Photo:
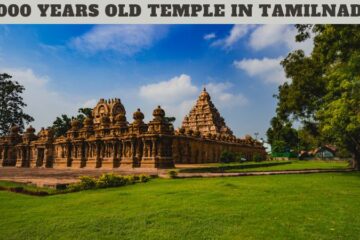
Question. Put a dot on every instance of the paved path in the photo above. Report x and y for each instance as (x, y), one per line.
(239, 174)
(51, 177)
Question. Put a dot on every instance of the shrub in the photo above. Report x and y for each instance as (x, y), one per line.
(257, 158)
(144, 178)
(227, 157)
(87, 182)
(74, 187)
(131, 179)
(136, 178)
(111, 180)
(172, 174)
(104, 181)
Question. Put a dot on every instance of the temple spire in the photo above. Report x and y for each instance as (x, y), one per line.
(204, 117)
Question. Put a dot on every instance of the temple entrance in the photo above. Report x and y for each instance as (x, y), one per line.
(40, 157)
(24, 157)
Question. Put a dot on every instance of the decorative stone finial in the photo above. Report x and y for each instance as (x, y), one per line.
(159, 113)
(30, 130)
(75, 124)
(138, 115)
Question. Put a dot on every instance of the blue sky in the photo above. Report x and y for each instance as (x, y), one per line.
(64, 67)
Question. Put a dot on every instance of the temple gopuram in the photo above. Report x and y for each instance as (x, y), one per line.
(108, 140)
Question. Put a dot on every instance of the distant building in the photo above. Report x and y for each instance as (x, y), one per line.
(107, 140)
(324, 152)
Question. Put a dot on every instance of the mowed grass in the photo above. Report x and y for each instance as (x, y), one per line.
(311, 206)
(270, 166)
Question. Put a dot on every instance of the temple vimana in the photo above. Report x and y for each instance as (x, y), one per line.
(107, 140)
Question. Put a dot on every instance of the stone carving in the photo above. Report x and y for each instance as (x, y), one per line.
(205, 118)
(107, 140)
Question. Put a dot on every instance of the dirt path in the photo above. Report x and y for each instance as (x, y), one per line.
(50, 177)
(193, 175)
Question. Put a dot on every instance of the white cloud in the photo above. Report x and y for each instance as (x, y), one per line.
(266, 36)
(91, 103)
(177, 95)
(236, 33)
(267, 69)
(176, 89)
(123, 39)
(221, 96)
(42, 103)
(210, 36)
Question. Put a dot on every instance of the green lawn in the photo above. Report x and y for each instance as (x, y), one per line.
(311, 206)
(269, 166)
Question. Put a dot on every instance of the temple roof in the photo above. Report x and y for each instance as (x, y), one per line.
(204, 117)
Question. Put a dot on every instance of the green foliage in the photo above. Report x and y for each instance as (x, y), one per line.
(87, 112)
(87, 182)
(105, 181)
(62, 124)
(111, 180)
(144, 178)
(308, 139)
(170, 119)
(257, 158)
(281, 136)
(11, 105)
(324, 88)
(284, 154)
(227, 157)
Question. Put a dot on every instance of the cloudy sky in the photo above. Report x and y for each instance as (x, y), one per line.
(64, 67)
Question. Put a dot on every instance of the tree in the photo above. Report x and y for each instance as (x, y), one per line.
(170, 119)
(11, 105)
(308, 140)
(281, 136)
(87, 112)
(325, 86)
(63, 123)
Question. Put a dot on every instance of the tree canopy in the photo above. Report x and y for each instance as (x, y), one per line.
(11, 105)
(324, 92)
(63, 123)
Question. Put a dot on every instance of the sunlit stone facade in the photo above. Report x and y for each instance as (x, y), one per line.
(107, 140)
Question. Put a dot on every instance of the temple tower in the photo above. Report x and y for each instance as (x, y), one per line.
(205, 118)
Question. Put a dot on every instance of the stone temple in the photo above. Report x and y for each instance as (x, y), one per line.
(107, 140)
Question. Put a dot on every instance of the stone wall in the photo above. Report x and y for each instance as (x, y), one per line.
(107, 140)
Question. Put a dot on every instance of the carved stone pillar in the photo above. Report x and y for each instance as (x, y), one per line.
(132, 149)
(145, 148)
(123, 144)
(154, 147)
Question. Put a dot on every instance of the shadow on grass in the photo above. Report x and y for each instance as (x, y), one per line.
(224, 168)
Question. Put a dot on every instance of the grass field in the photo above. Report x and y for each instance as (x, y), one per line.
(312, 206)
(270, 166)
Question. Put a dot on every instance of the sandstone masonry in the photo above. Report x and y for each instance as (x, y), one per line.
(107, 140)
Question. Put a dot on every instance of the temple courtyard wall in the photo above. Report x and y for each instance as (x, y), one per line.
(141, 152)
(106, 140)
